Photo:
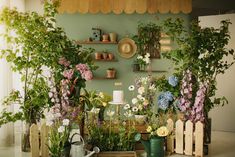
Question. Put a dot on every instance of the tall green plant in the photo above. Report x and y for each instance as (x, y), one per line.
(37, 44)
(203, 51)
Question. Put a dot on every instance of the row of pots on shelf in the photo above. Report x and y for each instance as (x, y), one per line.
(104, 56)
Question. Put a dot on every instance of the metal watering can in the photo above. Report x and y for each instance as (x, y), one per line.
(78, 150)
(153, 147)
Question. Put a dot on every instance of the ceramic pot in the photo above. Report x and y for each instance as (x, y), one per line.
(110, 56)
(110, 73)
(157, 146)
(98, 55)
(105, 56)
(113, 37)
(105, 37)
(25, 138)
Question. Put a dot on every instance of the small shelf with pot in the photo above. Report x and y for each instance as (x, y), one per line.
(105, 60)
(104, 78)
(156, 71)
(96, 42)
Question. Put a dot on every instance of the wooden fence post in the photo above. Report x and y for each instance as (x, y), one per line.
(170, 138)
(34, 141)
(44, 140)
(188, 138)
(199, 139)
(179, 137)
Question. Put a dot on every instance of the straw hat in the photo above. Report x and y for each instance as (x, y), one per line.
(127, 47)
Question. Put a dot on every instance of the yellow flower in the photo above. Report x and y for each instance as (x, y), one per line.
(162, 131)
(149, 129)
(104, 104)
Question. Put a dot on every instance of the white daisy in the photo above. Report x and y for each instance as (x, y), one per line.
(127, 106)
(134, 109)
(134, 101)
(131, 87)
(110, 113)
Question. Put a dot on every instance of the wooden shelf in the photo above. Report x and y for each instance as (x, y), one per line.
(95, 42)
(105, 60)
(155, 71)
(103, 78)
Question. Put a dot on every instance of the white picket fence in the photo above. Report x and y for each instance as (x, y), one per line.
(39, 148)
(187, 138)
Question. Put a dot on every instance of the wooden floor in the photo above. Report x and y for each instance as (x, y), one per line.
(223, 145)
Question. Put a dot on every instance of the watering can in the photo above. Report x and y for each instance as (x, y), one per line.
(153, 147)
(77, 148)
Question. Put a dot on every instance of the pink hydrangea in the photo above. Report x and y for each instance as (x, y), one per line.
(82, 68)
(87, 75)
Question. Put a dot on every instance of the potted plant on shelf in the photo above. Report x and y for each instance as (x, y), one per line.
(110, 56)
(111, 73)
(98, 55)
(105, 55)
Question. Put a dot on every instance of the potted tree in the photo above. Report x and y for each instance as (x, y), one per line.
(40, 46)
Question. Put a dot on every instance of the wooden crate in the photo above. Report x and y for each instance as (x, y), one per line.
(117, 154)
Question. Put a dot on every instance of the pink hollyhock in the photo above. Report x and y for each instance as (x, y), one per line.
(68, 74)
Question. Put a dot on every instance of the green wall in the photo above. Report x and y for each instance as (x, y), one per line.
(78, 27)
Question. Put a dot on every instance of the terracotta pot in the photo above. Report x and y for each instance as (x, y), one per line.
(110, 56)
(111, 73)
(98, 55)
(105, 56)
(105, 37)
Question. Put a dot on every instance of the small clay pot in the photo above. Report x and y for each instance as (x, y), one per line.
(105, 56)
(110, 56)
(110, 73)
(105, 38)
(98, 55)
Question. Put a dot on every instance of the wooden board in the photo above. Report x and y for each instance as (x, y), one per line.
(94, 6)
(152, 6)
(175, 6)
(179, 137)
(130, 6)
(141, 6)
(199, 139)
(118, 6)
(34, 140)
(117, 154)
(44, 140)
(188, 138)
(106, 6)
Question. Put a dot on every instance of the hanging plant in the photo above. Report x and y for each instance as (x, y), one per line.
(148, 39)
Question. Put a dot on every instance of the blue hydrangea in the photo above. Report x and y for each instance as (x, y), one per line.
(172, 80)
(169, 96)
(163, 103)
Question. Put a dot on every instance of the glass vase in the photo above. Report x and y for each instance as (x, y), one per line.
(25, 137)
